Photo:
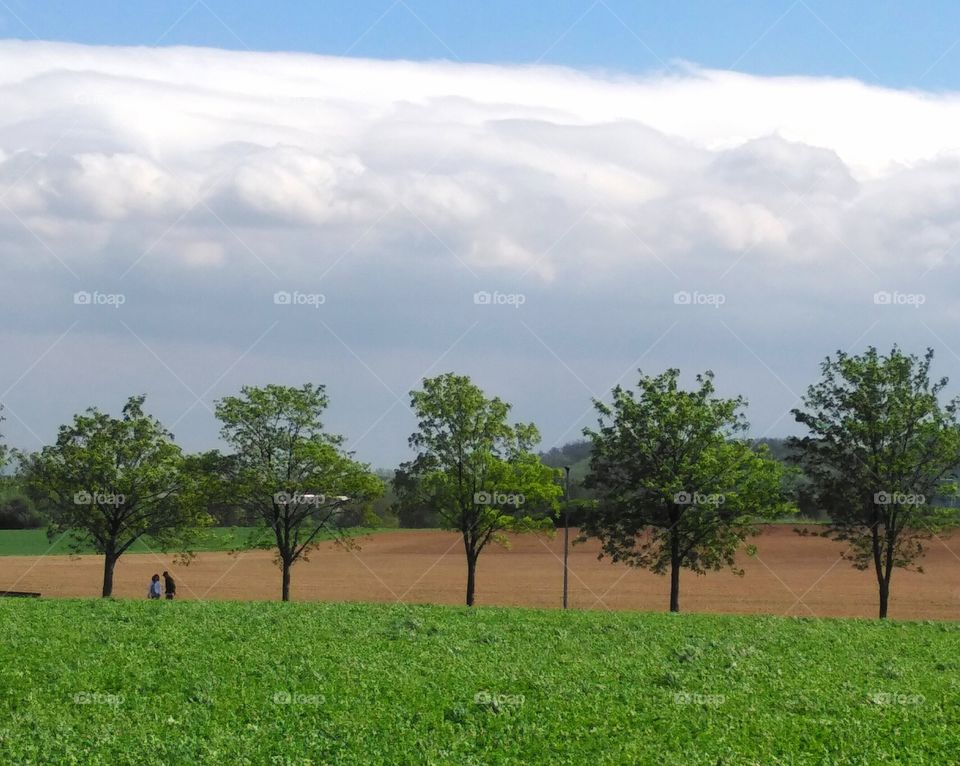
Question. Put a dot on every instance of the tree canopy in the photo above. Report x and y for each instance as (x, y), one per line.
(675, 486)
(287, 471)
(109, 482)
(474, 469)
(882, 452)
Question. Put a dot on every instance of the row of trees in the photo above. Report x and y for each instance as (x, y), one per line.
(677, 483)
(881, 453)
(108, 482)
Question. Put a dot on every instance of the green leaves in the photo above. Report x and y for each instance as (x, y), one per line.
(473, 469)
(675, 487)
(883, 453)
(112, 481)
(287, 471)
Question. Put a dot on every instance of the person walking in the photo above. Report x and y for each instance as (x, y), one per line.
(154, 591)
(169, 586)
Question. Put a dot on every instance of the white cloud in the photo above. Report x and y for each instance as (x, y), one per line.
(479, 154)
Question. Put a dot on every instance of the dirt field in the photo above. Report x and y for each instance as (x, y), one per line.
(790, 576)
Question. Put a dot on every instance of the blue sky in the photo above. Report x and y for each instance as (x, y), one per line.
(890, 42)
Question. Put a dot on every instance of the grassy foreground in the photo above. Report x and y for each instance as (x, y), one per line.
(124, 682)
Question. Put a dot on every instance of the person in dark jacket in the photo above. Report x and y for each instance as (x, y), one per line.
(169, 586)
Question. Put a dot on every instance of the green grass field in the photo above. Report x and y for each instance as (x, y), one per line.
(124, 682)
(34, 542)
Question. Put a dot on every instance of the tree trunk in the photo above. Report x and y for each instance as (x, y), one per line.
(109, 562)
(882, 583)
(674, 572)
(887, 573)
(286, 580)
(471, 578)
(883, 563)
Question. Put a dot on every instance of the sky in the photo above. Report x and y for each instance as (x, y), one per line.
(195, 196)
(892, 42)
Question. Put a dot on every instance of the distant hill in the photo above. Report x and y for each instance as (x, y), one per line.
(576, 455)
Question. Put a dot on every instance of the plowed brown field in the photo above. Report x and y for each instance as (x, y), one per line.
(791, 576)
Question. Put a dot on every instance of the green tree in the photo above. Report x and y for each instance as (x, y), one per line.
(675, 487)
(412, 509)
(882, 454)
(109, 482)
(287, 471)
(473, 469)
(210, 474)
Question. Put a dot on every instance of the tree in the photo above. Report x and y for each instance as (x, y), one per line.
(475, 470)
(412, 509)
(111, 481)
(675, 487)
(288, 471)
(882, 451)
(16, 513)
(210, 478)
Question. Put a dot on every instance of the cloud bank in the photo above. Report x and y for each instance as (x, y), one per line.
(198, 183)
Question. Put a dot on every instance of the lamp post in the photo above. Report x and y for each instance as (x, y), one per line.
(566, 531)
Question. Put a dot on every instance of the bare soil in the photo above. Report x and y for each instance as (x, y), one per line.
(791, 575)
